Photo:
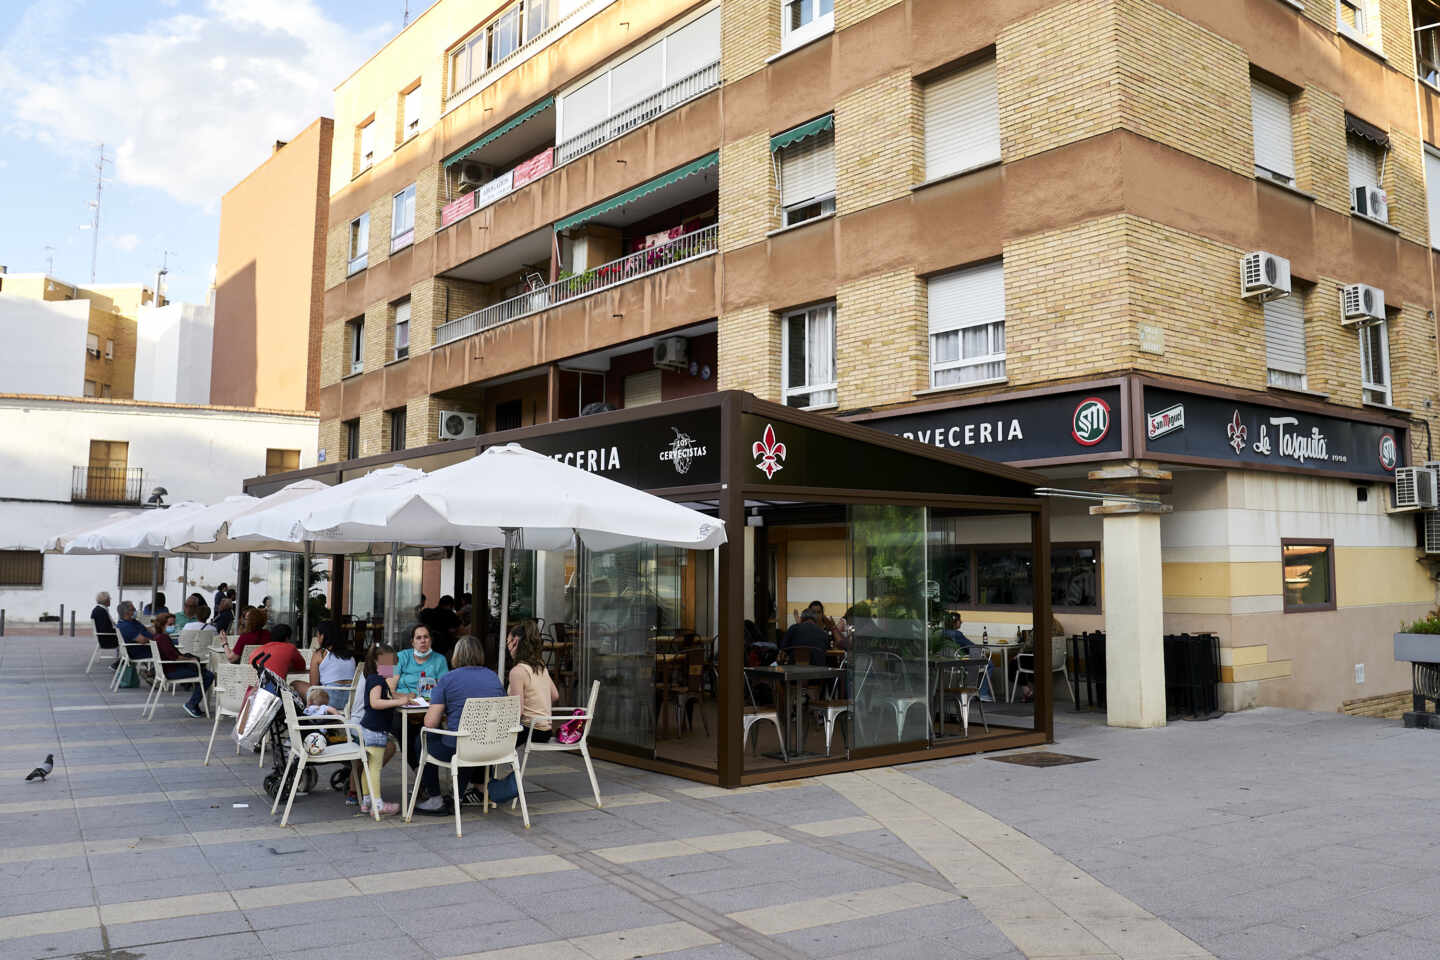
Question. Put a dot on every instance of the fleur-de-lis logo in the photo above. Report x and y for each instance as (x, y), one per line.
(769, 452)
(1236, 432)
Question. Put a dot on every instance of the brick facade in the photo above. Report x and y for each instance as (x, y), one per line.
(749, 340)
(849, 12)
(879, 143)
(747, 212)
(1405, 186)
(881, 339)
(1319, 128)
(749, 35)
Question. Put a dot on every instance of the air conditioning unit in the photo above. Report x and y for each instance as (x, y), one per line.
(1264, 275)
(1415, 488)
(1362, 305)
(93, 351)
(1431, 538)
(455, 425)
(1370, 202)
(671, 353)
(472, 175)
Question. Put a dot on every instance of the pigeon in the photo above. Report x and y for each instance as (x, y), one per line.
(43, 771)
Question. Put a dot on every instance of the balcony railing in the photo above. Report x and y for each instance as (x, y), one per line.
(525, 51)
(642, 112)
(106, 484)
(638, 264)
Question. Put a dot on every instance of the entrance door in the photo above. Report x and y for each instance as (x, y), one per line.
(105, 478)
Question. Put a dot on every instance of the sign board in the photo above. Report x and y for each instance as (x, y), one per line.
(534, 168)
(680, 450)
(494, 190)
(457, 209)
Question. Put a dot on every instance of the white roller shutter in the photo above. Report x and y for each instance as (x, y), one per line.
(1274, 139)
(583, 108)
(962, 121)
(1285, 334)
(807, 170)
(1432, 198)
(637, 78)
(1362, 157)
(967, 298)
(693, 46)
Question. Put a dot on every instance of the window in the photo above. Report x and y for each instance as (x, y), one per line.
(1285, 341)
(1375, 364)
(410, 113)
(402, 329)
(109, 349)
(1353, 20)
(509, 415)
(1309, 574)
(1002, 575)
(1274, 137)
(365, 145)
(359, 243)
(351, 430)
(1427, 41)
(22, 568)
(402, 218)
(92, 388)
(92, 345)
(281, 461)
(962, 121)
(803, 20)
(139, 572)
(397, 428)
(807, 178)
(967, 326)
(105, 391)
(1367, 198)
(355, 344)
(515, 26)
(1432, 200)
(808, 351)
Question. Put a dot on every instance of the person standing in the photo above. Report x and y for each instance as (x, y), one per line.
(220, 594)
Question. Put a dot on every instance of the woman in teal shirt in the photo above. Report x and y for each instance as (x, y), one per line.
(420, 667)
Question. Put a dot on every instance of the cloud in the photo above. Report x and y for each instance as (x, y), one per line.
(191, 102)
(125, 241)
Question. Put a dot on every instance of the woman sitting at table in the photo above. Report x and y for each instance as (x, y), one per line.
(180, 665)
(530, 680)
(420, 667)
(333, 664)
(254, 633)
(468, 678)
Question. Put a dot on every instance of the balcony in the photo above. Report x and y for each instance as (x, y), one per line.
(678, 93)
(113, 485)
(641, 263)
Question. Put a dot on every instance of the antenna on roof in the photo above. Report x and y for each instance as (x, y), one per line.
(160, 276)
(49, 260)
(405, 18)
(94, 225)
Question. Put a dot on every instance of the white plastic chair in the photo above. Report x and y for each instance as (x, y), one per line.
(347, 752)
(1025, 664)
(486, 737)
(231, 682)
(152, 701)
(581, 746)
(115, 650)
(121, 662)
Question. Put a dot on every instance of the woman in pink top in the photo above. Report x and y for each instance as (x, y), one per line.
(530, 680)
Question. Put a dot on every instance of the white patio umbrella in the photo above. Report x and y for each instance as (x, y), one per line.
(131, 535)
(60, 541)
(508, 495)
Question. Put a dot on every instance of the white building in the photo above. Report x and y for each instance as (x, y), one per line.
(172, 353)
(69, 462)
(47, 338)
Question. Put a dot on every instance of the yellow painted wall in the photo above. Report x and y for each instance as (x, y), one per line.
(1221, 579)
(1371, 576)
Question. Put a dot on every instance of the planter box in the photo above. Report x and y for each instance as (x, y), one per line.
(1418, 647)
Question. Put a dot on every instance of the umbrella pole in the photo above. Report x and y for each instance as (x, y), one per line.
(119, 579)
(305, 599)
(390, 612)
(184, 579)
(154, 582)
(505, 601)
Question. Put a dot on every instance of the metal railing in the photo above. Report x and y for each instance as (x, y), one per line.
(640, 113)
(106, 484)
(525, 51)
(638, 264)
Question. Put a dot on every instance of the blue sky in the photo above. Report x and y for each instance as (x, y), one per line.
(188, 97)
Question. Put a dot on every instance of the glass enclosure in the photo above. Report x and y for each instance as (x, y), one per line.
(365, 587)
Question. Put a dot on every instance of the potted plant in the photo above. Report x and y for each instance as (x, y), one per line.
(1419, 642)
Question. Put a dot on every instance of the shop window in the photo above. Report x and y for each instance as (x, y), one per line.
(402, 329)
(1285, 341)
(1309, 571)
(962, 121)
(967, 326)
(1375, 364)
(359, 244)
(22, 568)
(1274, 137)
(807, 178)
(1001, 576)
(281, 461)
(808, 351)
(803, 20)
(396, 419)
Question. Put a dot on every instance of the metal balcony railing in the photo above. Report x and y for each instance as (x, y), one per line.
(638, 264)
(106, 484)
(639, 113)
(525, 51)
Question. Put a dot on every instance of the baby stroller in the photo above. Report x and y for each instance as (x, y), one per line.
(263, 718)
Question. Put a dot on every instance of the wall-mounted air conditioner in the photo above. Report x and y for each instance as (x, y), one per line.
(1264, 275)
(1361, 305)
(1415, 488)
(1370, 202)
(455, 425)
(671, 353)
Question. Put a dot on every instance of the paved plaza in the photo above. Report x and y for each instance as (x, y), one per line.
(1265, 834)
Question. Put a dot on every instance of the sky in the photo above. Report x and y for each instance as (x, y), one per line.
(188, 96)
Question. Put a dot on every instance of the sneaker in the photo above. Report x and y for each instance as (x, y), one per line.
(364, 805)
(434, 806)
(389, 809)
(351, 801)
(193, 711)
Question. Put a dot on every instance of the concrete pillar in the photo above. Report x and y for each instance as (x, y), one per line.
(1134, 623)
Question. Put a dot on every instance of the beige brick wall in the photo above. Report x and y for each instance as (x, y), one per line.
(1396, 37)
(749, 34)
(329, 440)
(422, 421)
(332, 353)
(380, 230)
(370, 433)
(337, 254)
(1321, 11)
(426, 302)
(747, 212)
(1413, 370)
(1184, 86)
(1405, 186)
(427, 201)
(849, 12)
(879, 143)
(749, 352)
(881, 339)
(377, 335)
(1056, 77)
(1332, 352)
(1320, 167)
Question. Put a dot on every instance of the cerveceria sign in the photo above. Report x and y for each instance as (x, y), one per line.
(674, 451)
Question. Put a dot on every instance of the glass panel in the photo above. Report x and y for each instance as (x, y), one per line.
(537, 17)
(1002, 577)
(1074, 577)
(888, 663)
(367, 587)
(620, 620)
(505, 35)
(1307, 575)
(522, 583)
(409, 569)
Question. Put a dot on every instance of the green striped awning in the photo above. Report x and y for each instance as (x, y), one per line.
(498, 132)
(664, 180)
(796, 134)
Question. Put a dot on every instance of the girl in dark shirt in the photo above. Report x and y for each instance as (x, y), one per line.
(379, 713)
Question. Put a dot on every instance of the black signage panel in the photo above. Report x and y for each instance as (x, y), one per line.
(680, 450)
(1082, 423)
(1245, 434)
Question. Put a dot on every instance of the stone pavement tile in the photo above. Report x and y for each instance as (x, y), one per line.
(1273, 941)
(1415, 897)
(481, 933)
(139, 866)
(662, 869)
(121, 892)
(595, 909)
(643, 941)
(166, 907)
(329, 935)
(83, 943)
(1340, 921)
(715, 951)
(319, 912)
(1051, 937)
(1387, 944)
(15, 902)
(709, 888)
(194, 928)
(846, 936)
(391, 948)
(1141, 938)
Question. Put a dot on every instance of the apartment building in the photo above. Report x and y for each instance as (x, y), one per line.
(1169, 247)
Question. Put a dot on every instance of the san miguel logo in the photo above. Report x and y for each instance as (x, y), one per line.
(1090, 422)
(1389, 453)
(682, 452)
(768, 453)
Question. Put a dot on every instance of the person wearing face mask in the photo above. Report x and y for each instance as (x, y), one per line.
(420, 667)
